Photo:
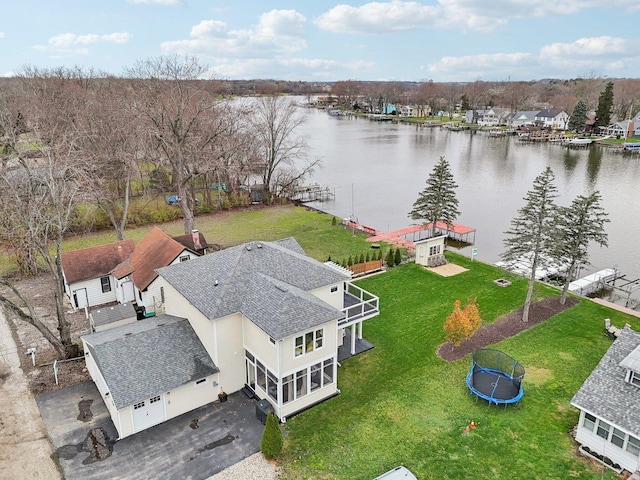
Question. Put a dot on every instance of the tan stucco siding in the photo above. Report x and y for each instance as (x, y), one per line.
(335, 299)
(191, 396)
(289, 362)
(177, 305)
(258, 343)
(230, 359)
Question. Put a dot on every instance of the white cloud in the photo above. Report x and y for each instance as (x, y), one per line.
(592, 47)
(378, 17)
(278, 32)
(557, 59)
(69, 44)
(67, 39)
(477, 15)
(158, 2)
(2, 35)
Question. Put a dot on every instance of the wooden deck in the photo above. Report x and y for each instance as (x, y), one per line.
(406, 237)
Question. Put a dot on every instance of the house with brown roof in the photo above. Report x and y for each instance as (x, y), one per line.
(121, 272)
(87, 274)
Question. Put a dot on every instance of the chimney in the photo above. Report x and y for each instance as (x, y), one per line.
(195, 236)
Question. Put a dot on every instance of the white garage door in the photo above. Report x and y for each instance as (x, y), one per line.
(148, 413)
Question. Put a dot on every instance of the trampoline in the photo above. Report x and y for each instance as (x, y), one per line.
(495, 377)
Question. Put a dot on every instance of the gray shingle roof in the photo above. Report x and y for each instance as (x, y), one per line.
(113, 313)
(268, 282)
(605, 393)
(149, 357)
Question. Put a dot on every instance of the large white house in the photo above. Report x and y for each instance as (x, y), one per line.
(262, 316)
(609, 403)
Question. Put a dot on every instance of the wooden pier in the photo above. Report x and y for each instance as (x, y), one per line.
(406, 237)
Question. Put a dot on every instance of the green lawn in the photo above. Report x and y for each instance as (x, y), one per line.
(402, 405)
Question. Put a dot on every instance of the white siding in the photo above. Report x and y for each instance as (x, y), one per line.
(604, 447)
(94, 291)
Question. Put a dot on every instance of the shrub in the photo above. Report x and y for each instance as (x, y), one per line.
(362, 258)
(350, 261)
(390, 258)
(367, 258)
(397, 257)
(462, 323)
(334, 222)
(272, 439)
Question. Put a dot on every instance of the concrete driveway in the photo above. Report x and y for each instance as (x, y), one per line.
(193, 446)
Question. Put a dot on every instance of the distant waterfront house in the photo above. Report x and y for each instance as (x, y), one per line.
(552, 118)
(261, 316)
(490, 117)
(623, 129)
(87, 274)
(609, 404)
(523, 118)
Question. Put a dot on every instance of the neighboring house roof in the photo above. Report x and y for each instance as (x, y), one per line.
(94, 262)
(187, 241)
(606, 394)
(115, 313)
(155, 250)
(149, 357)
(268, 282)
(549, 113)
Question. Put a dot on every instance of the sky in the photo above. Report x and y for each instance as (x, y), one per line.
(325, 40)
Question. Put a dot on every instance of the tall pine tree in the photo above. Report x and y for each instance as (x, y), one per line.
(531, 234)
(605, 106)
(576, 226)
(438, 199)
(578, 119)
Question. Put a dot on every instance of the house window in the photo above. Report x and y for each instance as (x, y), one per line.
(633, 445)
(435, 250)
(272, 340)
(309, 342)
(261, 375)
(184, 258)
(272, 385)
(105, 283)
(589, 421)
(334, 289)
(301, 383)
(603, 429)
(617, 437)
(634, 378)
(162, 294)
(138, 405)
(155, 399)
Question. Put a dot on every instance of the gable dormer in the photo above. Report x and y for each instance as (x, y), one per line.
(632, 364)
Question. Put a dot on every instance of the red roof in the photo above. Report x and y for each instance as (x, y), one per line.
(94, 262)
(155, 250)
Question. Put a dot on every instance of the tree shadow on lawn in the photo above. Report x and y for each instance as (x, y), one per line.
(506, 326)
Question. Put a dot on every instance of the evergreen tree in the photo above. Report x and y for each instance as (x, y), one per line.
(367, 258)
(605, 106)
(272, 439)
(361, 258)
(531, 232)
(578, 119)
(397, 258)
(577, 225)
(390, 258)
(438, 199)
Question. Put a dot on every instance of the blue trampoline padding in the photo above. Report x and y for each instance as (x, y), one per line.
(492, 384)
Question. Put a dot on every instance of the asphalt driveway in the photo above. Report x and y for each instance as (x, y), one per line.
(193, 446)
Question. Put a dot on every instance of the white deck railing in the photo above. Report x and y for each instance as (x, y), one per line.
(359, 305)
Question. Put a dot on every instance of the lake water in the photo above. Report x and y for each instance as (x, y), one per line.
(377, 169)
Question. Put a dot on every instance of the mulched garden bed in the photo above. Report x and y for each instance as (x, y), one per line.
(506, 326)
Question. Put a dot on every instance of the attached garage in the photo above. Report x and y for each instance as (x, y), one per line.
(150, 371)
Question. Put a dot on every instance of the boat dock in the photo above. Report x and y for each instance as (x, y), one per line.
(593, 282)
(407, 237)
(311, 193)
